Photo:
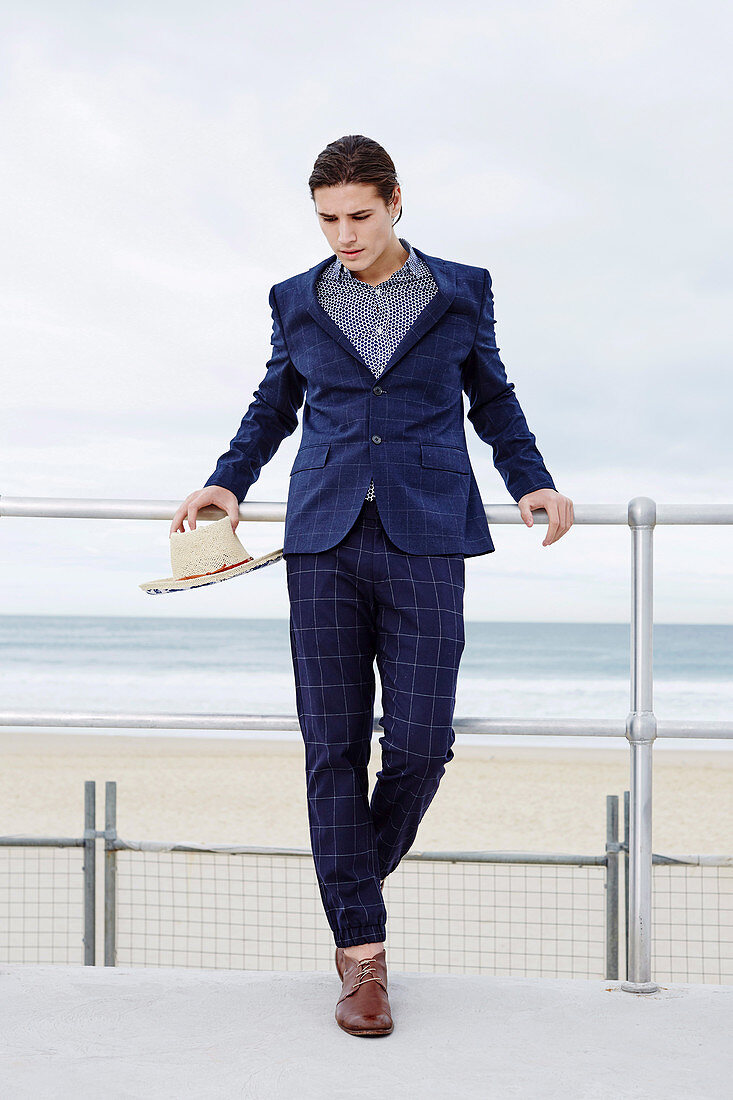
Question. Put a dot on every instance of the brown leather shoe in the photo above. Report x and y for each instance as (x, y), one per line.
(340, 962)
(363, 1007)
(341, 959)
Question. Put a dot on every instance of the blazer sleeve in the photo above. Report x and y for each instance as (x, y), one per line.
(271, 416)
(495, 412)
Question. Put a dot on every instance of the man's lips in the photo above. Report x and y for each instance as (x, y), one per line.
(353, 252)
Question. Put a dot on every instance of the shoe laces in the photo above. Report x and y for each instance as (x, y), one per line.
(367, 972)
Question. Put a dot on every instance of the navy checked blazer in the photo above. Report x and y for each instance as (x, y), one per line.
(406, 430)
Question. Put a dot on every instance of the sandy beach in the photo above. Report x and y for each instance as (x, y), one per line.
(223, 791)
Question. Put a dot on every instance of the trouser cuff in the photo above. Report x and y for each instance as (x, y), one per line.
(352, 937)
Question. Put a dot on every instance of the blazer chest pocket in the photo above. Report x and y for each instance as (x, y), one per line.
(445, 458)
(310, 457)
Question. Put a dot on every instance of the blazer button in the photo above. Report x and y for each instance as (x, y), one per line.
(377, 390)
(376, 439)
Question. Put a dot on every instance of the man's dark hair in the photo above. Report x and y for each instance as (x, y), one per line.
(355, 159)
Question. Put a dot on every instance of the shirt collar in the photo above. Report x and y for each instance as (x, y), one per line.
(411, 269)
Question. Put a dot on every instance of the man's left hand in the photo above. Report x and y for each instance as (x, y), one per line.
(559, 512)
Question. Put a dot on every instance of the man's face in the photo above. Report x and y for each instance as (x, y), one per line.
(356, 222)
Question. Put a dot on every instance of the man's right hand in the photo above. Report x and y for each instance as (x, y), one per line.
(212, 494)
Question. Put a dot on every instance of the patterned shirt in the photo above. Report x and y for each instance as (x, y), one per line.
(376, 318)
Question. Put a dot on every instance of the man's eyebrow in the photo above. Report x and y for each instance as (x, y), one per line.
(368, 210)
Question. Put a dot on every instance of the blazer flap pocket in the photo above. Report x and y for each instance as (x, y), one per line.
(310, 457)
(445, 458)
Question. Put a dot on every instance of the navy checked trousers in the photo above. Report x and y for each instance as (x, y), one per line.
(362, 600)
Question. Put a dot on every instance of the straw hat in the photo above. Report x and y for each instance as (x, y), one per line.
(206, 555)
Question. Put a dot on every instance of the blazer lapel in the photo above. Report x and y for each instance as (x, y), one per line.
(445, 279)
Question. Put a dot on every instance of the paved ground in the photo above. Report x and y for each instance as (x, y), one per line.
(159, 1034)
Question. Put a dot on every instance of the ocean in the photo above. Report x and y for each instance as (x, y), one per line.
(243, 666)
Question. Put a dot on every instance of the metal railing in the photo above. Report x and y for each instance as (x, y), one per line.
(641, 727)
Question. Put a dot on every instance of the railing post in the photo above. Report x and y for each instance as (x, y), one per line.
(89, 870)
(626, 883)
(110, 875)
(641, 730)
(612, 854)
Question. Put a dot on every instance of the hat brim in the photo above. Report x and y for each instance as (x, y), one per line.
(170, 584)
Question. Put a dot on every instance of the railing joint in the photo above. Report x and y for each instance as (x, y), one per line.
(642, 512)
(641, 727)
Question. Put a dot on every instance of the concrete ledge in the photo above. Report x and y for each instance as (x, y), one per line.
(209, 1034)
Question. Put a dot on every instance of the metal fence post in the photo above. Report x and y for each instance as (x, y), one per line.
(89, 870)
(110, 874)
(612, 855)
(641, 730)
(626, 883)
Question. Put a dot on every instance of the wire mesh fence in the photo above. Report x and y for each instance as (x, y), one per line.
(502, 913)
(263, 911)
(692, 914)
(41, 904)
(217, 909)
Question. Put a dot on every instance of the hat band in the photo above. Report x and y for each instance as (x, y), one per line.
(223, 569)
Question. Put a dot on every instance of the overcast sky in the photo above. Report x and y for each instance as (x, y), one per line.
(154, 187)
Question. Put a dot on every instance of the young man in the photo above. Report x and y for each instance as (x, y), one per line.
(382, 511)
